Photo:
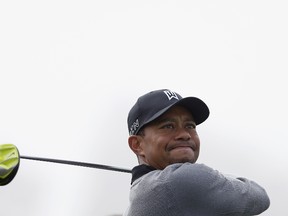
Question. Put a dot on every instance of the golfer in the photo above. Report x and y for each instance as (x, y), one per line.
(168, 181)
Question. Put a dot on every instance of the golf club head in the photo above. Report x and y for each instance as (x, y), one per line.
(9, 163)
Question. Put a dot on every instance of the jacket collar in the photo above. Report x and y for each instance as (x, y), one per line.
(140, 170)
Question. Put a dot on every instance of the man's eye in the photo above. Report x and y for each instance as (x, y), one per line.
(191, 126)
(169, 126)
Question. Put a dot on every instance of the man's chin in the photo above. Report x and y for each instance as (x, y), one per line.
(184, 157)
(185, 160)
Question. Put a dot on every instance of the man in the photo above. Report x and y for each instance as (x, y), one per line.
(167, 181)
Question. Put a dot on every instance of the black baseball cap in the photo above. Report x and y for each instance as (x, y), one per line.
(155, 103)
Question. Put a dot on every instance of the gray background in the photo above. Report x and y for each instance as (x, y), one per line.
(71, 70)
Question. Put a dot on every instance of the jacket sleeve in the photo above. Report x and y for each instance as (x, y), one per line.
(202, 187)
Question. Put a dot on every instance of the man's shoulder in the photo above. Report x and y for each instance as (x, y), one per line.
(181, 171)
(180, 168)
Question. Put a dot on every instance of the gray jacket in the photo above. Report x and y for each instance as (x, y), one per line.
(193, 190)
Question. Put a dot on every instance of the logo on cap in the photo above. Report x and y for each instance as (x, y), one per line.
(134, 127)
(171, 95)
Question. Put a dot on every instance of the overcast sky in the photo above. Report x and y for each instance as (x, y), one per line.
(71, 70)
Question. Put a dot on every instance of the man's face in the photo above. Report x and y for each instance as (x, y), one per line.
(171, 138)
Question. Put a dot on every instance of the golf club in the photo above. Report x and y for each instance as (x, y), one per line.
(10, 161)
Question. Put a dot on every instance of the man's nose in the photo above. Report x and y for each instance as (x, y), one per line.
(183, 134)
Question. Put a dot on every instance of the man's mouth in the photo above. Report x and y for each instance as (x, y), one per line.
(179, 147)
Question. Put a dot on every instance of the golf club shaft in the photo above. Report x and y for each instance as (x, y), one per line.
(76, 163)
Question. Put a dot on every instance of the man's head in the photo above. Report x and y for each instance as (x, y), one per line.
(162, 128)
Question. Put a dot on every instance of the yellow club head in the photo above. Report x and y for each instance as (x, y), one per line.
(9, 163)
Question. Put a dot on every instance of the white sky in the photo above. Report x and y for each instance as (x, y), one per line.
(71, 70)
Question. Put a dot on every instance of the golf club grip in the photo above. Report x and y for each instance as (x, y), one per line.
(76, 163)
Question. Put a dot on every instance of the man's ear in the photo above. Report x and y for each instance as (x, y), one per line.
(134, 142)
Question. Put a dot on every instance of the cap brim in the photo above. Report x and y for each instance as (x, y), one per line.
(196, 106)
